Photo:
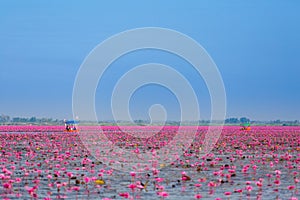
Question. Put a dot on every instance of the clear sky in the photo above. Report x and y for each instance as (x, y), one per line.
(255, 44)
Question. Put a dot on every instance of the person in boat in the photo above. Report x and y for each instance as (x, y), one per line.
(67, 127)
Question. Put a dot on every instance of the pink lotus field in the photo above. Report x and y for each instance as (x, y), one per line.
(43, 162)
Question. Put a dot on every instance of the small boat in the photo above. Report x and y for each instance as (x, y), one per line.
(246, 127)
(71, 126)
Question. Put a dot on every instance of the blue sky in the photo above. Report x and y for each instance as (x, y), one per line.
(255, 44)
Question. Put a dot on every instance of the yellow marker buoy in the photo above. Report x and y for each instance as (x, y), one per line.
(100, 182)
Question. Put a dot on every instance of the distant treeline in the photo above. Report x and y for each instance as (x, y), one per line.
(5, 119)
(244, 120)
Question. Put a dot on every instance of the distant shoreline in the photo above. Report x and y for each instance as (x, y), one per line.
(231, 121)
(127, 124)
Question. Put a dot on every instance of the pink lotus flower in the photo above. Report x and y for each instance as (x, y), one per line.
(259, 184)
(227, 193)
(277, 182)
(239, 190)
(7, 185)
(212, 184)
(277, 172)
(125, 195)
(159, 180)
(163, 194)
(69, 174)
(133, 174)
(291, 187)
(18, 180)
(132, 186)
(87, 179)
(76, 188)
(249, 188)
